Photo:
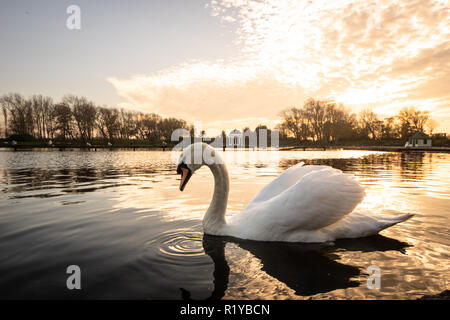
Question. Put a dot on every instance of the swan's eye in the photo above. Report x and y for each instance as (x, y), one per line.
(181, 165)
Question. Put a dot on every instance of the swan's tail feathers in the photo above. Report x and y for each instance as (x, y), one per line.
(364, 224)
(387, 221)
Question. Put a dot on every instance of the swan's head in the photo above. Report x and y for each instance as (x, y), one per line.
(193, 158)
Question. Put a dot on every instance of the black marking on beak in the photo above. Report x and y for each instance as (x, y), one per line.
(185, 175)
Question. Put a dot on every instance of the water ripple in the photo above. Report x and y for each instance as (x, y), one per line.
(172, 246)
(182, 245)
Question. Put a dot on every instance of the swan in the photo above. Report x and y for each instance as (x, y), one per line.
(305, 203)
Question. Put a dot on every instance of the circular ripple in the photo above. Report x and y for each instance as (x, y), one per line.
(174, 246)
(185, 244)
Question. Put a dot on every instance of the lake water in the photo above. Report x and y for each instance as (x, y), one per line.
(120, 217)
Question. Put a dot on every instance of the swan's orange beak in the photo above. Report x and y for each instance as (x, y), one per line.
(185, 175)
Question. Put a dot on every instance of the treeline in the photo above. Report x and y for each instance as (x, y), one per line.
(327, 122)
(77, 118)
(317, 122)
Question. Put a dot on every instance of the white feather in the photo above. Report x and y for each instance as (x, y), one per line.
(303, 204)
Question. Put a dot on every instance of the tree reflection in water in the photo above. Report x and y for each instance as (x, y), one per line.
(409, 165)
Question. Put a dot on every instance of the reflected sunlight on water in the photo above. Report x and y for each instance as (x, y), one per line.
(120, 216)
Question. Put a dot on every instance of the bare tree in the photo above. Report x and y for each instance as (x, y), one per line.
(40, 106)
(63, 121)
(371, 123)
(127, 124)
(4, 104)
(339, 123)
(107, 122)
(318, 120)
(84, 114)
(20, 112)
(411, 120)
(168, 125)
(296, 123)
(315, 113)
(389, 128)
(148, 126)
(50, 120)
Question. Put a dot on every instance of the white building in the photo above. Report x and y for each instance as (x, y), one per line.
(235, 138)
(418, 139)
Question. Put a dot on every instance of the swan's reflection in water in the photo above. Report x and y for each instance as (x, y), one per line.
(308, 269)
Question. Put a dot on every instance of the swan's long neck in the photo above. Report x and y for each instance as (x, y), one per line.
(214, 219)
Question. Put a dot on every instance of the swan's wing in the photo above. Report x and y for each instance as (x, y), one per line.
(320, 197)
(285, 180)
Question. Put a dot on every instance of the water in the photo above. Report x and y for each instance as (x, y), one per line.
(120, 216)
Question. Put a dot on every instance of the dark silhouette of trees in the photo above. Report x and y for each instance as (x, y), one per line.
(84, 115)
(168, 125)
(317, 121)
(339, 123)
(148, 126)
(411, 120)
(4, 104)
(328, 122)
(128, 126)
(370, 124)
(389, 128)
(315, 112)
(42, 106)
(63, 121)
(78, 118)
(20, 113)
(108, 122)
(295, 121)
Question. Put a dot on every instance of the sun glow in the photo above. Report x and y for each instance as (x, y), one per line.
(362, 53)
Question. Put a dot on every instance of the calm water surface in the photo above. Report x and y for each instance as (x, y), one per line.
(120, 216)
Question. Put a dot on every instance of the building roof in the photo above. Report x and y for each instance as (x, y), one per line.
(235, 132)
(419, 135)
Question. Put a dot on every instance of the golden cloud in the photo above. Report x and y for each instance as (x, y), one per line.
(381, 54)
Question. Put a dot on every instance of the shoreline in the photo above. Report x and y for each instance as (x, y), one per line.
(399, 149)
(373, 148)
(57, 147)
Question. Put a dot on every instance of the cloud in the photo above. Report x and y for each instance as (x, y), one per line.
(210, 93)
(381, 54)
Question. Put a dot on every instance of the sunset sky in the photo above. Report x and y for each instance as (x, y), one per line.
(232, 63)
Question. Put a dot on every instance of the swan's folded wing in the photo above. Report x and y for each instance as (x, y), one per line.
(284, 181)
(320, 198)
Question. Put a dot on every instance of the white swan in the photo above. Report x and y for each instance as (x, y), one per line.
(303, 204)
